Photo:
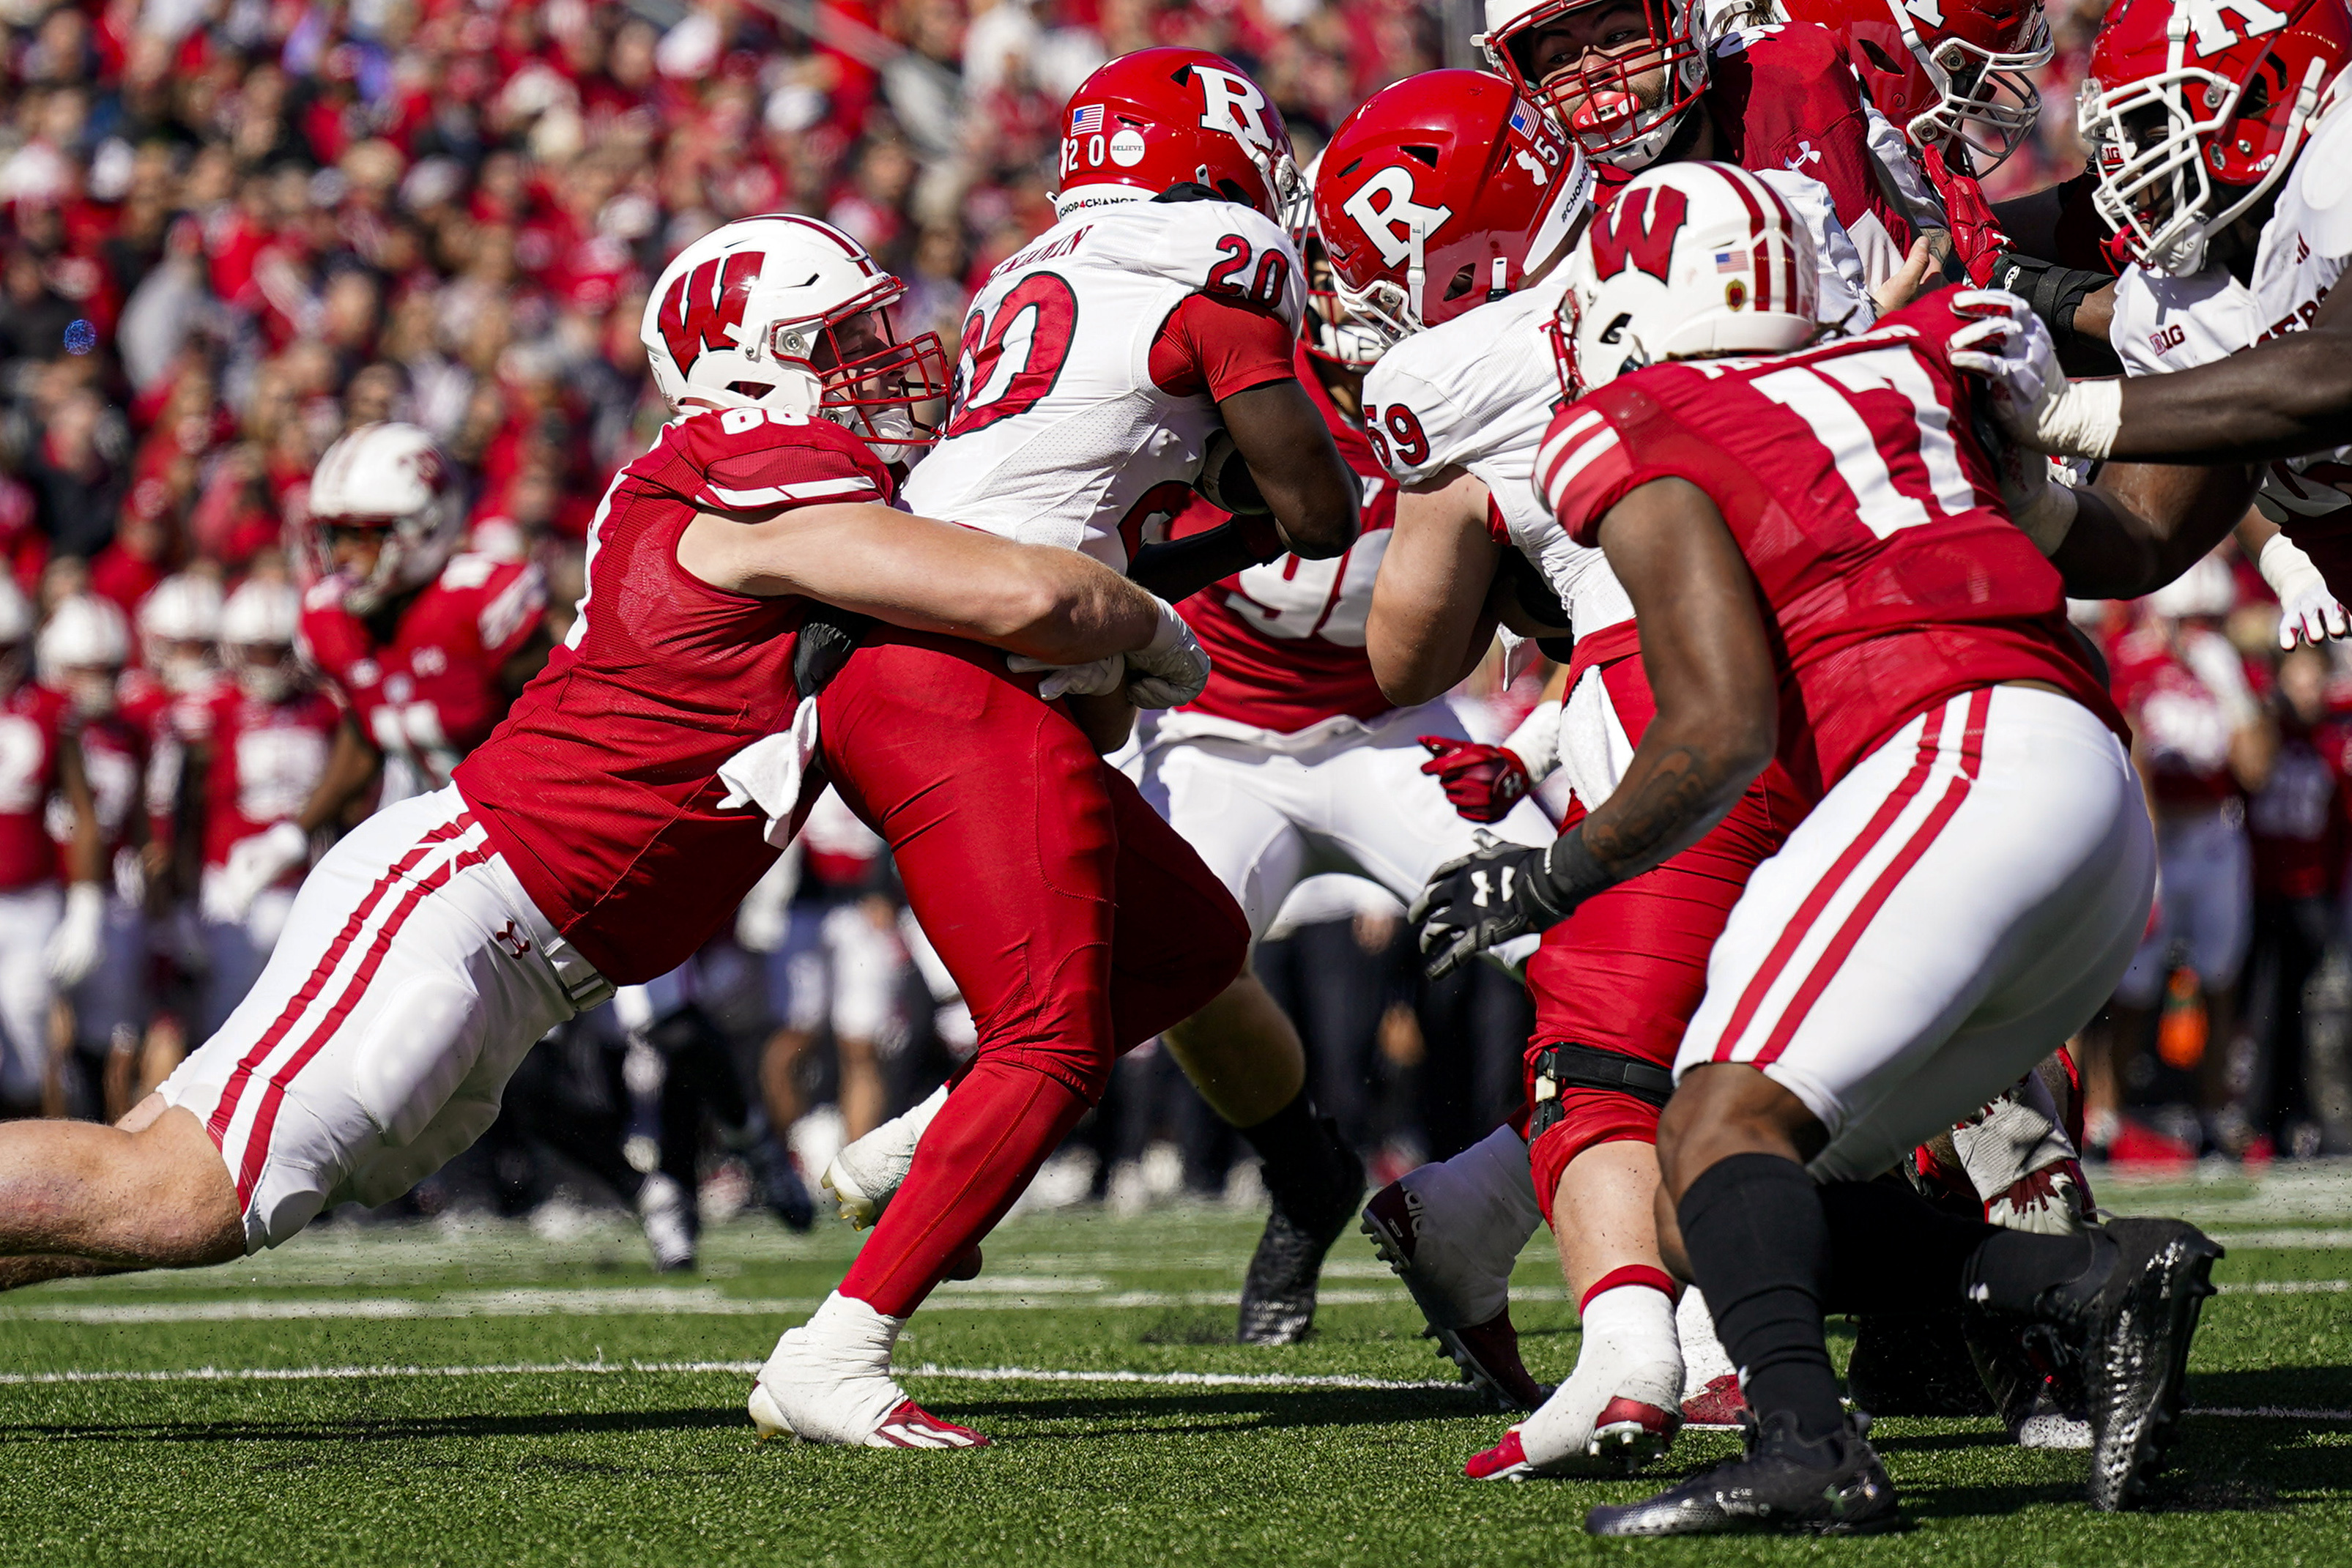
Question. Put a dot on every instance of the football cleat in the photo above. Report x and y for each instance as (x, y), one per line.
(862, 1178)
(1718, 1405)
(666, 1214)
(1627, 1436)
(1781, 1484)
(1278, 1292)
(828, 1380)
(2034, 1377)
(908, 1425)
(1453, 1245)
(2137, 1322)
(1915, 1364)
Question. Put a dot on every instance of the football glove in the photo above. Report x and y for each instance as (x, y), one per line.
(2306, 608)
(1976, 237)
(1483, 782)
(79, 940)
(1484, 899)
(1170, 670)
(2008, 345)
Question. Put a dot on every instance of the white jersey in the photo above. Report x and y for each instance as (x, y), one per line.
(1058, 434)
(2177, 323)
(1477, 393)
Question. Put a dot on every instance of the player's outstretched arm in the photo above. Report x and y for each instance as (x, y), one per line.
(1710, 666)
(2142, 524)
(1052, 604)
(1306, 485)
(1429, 623)
(2287, 398)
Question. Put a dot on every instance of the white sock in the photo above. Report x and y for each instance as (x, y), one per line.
(1630, 1351)
(1704, 1357)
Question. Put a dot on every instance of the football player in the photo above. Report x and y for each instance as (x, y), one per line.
(1637, 82)
(1458, 407)
(1970, 881)
(256, 757)
(2221, 143)
(638, 790)
(1140, 348)
(422, 644)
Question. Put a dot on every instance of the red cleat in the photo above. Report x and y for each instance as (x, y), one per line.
(912, 1426)
(1717, 1406)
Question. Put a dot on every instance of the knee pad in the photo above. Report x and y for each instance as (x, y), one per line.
(1583, 1097)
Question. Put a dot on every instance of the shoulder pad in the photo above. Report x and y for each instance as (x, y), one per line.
(1456, 380)
(2320, 185)
(749, 459)
(1209, 247)
(1579, 468)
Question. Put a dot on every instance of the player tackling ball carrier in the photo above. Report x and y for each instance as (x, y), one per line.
(642, 784)
(1819, 559)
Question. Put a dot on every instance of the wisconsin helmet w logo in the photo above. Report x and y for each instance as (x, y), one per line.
(704, 309)
(1638, 230)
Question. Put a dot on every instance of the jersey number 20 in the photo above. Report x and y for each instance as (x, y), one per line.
(1013, 354)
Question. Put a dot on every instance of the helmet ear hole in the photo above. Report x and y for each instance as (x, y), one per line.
(1879, 58)
(1465, 280)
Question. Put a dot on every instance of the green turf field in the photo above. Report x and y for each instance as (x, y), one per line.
(480, 1395)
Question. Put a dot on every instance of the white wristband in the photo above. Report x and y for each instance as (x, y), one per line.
(2287, 570)
(1536, 743)
(2083, 421)
(1170, 635)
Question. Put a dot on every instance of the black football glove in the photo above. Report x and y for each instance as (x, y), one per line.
(1483, 900)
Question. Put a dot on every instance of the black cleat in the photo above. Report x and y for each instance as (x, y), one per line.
(1278, 1292)
(2034, 1376)
(1781, 1485)
(2137, 1322)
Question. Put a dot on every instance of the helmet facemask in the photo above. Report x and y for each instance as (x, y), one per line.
(2150, 142)
(1987, 99)
(1621, 94)
(890, 394)
(265, 672)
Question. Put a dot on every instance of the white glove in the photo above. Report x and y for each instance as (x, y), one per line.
(2030, 397)
(79, 940)
(254, 863)
(1170, 670)
(1094, 678)
(2306, 608)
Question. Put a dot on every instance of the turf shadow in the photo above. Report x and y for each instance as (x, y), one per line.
(1215, 1410)
(377, 1429)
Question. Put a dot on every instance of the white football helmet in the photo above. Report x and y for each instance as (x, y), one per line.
(178, 622)
(1691, 260)
(81, 651)
(256, 636)
(388, 479)
(786, 312)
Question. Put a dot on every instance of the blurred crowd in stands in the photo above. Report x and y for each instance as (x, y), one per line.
(231, 229)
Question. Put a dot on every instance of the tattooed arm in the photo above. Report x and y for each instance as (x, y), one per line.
(1710, 666)
(1711, 670)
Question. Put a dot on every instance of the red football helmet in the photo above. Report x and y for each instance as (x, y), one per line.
(1640, 50)
(1159, 118)
(1441, 192)
(1946, 68)
(2186, 95)
(1327, 330)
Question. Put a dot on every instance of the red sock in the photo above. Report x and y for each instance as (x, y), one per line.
(997, 1127)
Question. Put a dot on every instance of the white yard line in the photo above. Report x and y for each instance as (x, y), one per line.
(1275, 1380)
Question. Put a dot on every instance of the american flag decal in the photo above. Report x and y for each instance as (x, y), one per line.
(1731, 261)
(1087, 120)
(1523, 120)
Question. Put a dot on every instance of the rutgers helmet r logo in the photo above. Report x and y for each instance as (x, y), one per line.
(2210, 34)
(1390, 223)
(1233, 105)
(1639, 229)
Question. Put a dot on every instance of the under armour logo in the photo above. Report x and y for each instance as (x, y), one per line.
(1484, 894)
(513, 941)
(1806, 154)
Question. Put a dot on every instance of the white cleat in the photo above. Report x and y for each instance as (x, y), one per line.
(829, 1381)
(862, 1178)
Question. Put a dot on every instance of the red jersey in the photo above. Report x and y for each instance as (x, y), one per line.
(1853, 482)
(266, 759)
(431, 694)
(2185, 703)
(2301, 837)
(114, 755)
(1785, 96)
(32, 718)
(1286, 640)
(602, 787)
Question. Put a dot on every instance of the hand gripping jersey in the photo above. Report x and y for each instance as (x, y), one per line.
(1286, 640)
(1853, 482)
(431, 694)
(602, 787)
(2176, 323)
(267, 759)
(1785, 98)
(1087, 386)
(32, 718)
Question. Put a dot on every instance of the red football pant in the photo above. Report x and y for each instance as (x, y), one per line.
(1626, 971)
(1076, 922)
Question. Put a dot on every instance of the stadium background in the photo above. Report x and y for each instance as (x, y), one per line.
(235, 227)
